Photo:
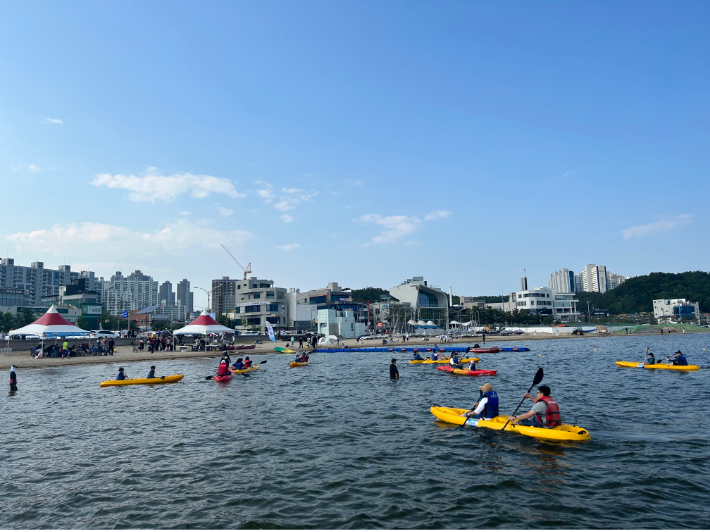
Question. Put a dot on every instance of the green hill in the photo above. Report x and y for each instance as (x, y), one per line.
(637, 294)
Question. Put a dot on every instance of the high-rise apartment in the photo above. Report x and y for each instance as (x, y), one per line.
(135, 292)
(563, 281)
(166, 296)
(40, 281)
(253, 301)
(184, 296)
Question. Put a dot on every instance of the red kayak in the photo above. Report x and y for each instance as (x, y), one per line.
(224, 378)
(476, 373)
(239, 347)
(485, 350)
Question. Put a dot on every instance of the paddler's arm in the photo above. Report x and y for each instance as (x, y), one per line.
(522, 416)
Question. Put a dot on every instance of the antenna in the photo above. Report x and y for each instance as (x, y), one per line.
(246, 270)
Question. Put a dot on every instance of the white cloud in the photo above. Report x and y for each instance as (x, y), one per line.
(288, 247)
(33, 168)
(437, 215)
(295, 197)
(265, 193)
(86, 241)
(287, 218)
(224, 211)
(153, 186)
(52, 121)
(656, 227)
(394, 227)
(291, 190)
(185, 213)
(15, 168)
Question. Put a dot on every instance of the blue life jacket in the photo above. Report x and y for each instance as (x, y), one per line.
(491, 408)
(434, 356)
(681, 360)
(239, 365)
(151, 374)
(472, 366)
(121, 376)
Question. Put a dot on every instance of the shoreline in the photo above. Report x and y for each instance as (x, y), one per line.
(125, 354)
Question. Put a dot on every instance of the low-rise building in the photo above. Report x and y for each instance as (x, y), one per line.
(253, 301)
(544, 300)
(665, 310)
(425, 302)
(340, 323)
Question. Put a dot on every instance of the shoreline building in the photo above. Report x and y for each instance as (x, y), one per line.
(303, 307)
(166, 296)
(418, 301)
(135, 292)
(679, 309)
(546, 301)
(253, 301)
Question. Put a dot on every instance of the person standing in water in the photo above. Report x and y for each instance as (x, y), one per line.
(394, 372)
(13, 378)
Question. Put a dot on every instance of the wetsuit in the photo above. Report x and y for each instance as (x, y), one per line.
(13, 381)
(394, 372)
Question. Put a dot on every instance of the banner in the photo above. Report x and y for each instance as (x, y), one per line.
(271, 332)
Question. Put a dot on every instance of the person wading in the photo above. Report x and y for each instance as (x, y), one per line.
(13, 378)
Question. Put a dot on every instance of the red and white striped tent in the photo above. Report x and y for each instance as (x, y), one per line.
(51, 325)
(204, 324)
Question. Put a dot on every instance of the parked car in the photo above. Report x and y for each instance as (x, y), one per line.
(104, 334)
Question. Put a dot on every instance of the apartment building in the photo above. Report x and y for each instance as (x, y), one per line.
(135, 292)
(253, 301)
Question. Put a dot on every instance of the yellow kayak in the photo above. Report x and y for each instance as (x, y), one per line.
(689, 367)
(563, 432)
(294, 364)
(128, 382)
(442, 361)
(246, 370)
(283, 350)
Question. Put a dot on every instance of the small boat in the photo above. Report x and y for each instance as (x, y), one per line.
(129, 382)
(472, 373)
(485, 350)
(223, 378)
(442, 361)
(283, 350)
(245, 370)
(241, 347)
(294, 364)
(689, 367)
(561, 433)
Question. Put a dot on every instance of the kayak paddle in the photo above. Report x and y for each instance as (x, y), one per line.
(537, 380)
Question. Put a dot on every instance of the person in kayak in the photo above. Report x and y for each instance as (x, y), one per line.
(394, 372)
(454, 361)
(417, 356)
(225, 358)
(151, 373)
(238, 364)
(121, 375)
(434, 356)
(13, 378)
(545, 412)
(650, 358)
(304, 357)
(247, 363)
(223, 368)
(487, 405)
(472, 365)
(678, 359)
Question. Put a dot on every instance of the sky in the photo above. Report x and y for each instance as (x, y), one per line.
(360, 142)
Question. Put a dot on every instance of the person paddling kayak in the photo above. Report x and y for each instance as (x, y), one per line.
(487, 405)
(454, 361)
(247, 363)
(417, 356)
(650, 357)
(223, 368)
(151, 373)
(545, 412)
(121, 375)
(678, 359)
(238, 364)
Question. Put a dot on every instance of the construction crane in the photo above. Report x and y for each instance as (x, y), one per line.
(246, 270)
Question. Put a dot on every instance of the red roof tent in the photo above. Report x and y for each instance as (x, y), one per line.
(204, 319)
(51, 317)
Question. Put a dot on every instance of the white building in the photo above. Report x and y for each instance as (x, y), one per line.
(340, 323)
(253, 301)
(596, 278)
(419, 294)
(135, 292)
(563, 281)
(675, 309)
(544, 300)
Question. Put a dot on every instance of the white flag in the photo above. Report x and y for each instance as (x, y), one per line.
(271, 332)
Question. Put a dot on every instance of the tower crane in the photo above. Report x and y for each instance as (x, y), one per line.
(246, 270)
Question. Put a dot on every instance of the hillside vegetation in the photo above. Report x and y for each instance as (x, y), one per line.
(637, 294)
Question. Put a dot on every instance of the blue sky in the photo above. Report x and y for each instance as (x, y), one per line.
(358, 142)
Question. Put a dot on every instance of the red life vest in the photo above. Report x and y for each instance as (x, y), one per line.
(552, 415)
(223, 369)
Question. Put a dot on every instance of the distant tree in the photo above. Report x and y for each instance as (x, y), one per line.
(82, 323)
(369, 294)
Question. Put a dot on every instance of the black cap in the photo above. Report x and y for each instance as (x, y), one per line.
(394, 360)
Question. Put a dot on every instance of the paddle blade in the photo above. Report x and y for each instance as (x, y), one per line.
(208, 378)
(538, 377)
(263, 362)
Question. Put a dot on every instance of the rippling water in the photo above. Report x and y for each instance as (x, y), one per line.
(338, 445)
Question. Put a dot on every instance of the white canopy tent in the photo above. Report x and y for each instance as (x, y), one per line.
(50, 325)
(205, 325)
